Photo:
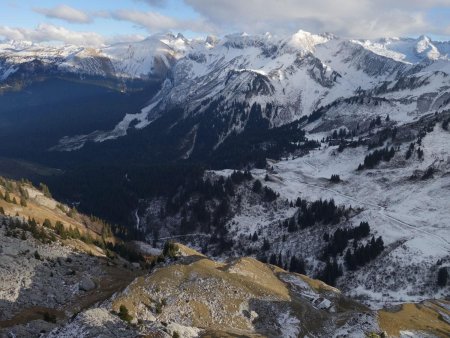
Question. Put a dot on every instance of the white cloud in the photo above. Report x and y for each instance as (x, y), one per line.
(66, 13)
(349, 18)
(124, 38)
(149, 20)
(51, 33)
(155, 22)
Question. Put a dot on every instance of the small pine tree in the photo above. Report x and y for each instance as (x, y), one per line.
(442, 277)
(45, 190)
(47, 223)
(124, 314)
(408, 154)
(255, 237)
(420, 153)
(257, 186)
(60, 230)
(7, 197)
(266, 245)
(335, 178)
(170, 249)
(297, 265)
(349, 260)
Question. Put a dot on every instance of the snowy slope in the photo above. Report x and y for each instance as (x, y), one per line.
(292, 75)
(152, 56)
(409, 50)
(411, 214)
(141, 59)
(297, 75)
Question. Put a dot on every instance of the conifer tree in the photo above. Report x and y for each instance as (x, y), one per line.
(442, 277)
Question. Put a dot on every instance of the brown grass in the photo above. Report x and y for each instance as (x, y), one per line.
(244, 277)
(40, 208)
(415, 317)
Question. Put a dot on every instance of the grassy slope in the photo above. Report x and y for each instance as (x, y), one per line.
(426, 316)
(41, 207)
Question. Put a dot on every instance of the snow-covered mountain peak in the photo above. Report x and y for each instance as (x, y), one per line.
(408, 50)
(244, 40)
(157, 53)
(211, 41)
(307, 41)
(425, 47)
(16, 45)
(298, 74)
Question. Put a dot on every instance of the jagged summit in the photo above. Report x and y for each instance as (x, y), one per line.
(307, 41)
(411, 50)
(14, 53)
(294, 76)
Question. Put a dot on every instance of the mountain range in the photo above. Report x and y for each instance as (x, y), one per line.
(316, 154)
(288, 77)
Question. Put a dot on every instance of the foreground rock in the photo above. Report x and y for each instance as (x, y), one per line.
(193, 296)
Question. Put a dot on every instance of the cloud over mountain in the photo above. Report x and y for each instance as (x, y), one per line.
(66, 13)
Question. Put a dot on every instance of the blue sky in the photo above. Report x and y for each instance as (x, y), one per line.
(107, 21)
(18, 13)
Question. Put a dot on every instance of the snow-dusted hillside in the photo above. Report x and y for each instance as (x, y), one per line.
(289, 77)
(404, 205)
(404, 200)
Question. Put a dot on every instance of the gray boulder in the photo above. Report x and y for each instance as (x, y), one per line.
(86, 284)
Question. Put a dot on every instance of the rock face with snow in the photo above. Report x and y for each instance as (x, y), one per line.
(150, 58)
(216, 83)
(403, 199)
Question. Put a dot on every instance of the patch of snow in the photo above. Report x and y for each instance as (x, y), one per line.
(289, 325)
